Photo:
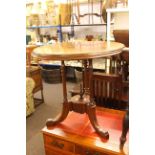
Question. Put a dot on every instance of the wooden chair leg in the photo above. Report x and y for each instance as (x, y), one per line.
(124, 130)
(42, 96)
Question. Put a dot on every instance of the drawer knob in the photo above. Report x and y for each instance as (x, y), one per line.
(56, 144)
(90, 153)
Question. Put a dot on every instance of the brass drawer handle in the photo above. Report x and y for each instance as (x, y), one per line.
(88, 152)
(56, 144)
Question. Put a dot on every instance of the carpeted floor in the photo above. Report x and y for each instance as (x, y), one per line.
(35, 122)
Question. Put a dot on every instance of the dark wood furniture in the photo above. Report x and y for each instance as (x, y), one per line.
(29, 49)
(79, 51)
(35, 73)
(125, 129)
(107, 90)
(72, 137)
(122, 36)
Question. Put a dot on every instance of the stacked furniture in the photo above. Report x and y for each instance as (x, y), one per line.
(122, 36)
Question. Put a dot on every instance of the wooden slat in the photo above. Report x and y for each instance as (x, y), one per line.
(107, 87)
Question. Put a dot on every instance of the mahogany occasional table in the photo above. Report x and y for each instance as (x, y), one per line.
(85, 51)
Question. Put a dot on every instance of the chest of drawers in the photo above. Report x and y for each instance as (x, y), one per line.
(75, 136)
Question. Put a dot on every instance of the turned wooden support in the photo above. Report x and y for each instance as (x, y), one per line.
(90, 78)
(87, 75)
(63, 76)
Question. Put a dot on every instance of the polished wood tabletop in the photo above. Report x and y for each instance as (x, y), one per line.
(78, 50)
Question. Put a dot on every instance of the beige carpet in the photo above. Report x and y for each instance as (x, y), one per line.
(35, 122)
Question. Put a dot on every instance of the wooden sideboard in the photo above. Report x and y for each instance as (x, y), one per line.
(76, 136)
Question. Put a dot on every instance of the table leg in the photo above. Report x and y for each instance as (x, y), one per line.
(83, 104)
(42, 96)
(125, 129)
(91, 106)
(91, 111)
(50, 122)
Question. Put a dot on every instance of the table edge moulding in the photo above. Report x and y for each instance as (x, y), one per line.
(79, 50)
(86, 51)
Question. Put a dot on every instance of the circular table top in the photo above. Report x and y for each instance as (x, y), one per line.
(78, 50)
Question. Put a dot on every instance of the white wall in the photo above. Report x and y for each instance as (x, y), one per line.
(121, 20)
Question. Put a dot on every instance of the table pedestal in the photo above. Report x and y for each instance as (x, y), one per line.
(82, 103)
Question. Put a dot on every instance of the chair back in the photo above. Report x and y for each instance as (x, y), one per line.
(106, 89)
(122, 36)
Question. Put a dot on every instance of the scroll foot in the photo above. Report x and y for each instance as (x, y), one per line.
(92, 116)
(53, 121)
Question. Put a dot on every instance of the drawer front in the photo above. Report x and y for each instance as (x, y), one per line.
(87, 151)
(49, 152)
(58, 144)
(53, 152)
